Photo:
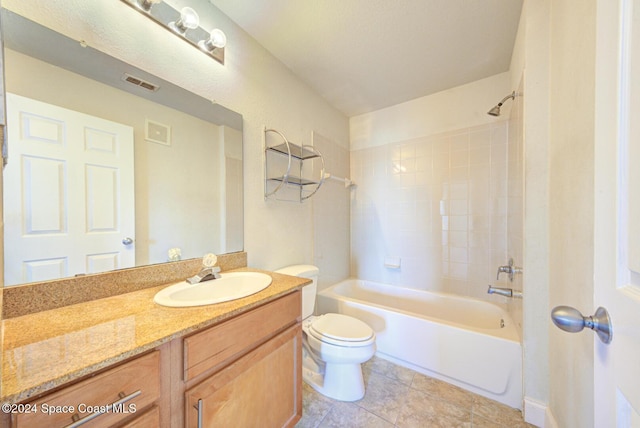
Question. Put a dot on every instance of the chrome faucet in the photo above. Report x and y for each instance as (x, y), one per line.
(208, 272)
(507, 292)
(510, 269)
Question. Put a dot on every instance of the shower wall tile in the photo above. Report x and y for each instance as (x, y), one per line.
(439, 203)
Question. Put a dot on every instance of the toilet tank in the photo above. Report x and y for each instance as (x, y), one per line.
(308, 291)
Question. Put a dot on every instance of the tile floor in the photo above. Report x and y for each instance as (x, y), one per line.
(399, 397)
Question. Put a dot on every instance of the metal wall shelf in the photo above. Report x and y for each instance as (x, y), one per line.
(298, 152)
(280, 182)
(294, 180)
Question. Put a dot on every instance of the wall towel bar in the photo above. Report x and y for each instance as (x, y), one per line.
(347, 182)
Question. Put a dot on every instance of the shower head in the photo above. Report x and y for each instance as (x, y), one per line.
(495, 111)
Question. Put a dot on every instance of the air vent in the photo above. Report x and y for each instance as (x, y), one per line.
(139, 82)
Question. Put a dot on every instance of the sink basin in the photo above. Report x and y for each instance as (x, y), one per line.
(230, 286)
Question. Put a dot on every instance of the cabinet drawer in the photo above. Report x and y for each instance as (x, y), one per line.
(213, 347)
(138, 380)
(150, 419)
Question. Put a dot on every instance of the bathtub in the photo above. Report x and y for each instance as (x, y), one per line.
(462, 341)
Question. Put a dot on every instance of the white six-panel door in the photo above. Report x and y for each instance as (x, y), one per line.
(617, 212)
(68, 193)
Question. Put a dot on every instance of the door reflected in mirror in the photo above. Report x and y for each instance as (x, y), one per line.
(63, 186)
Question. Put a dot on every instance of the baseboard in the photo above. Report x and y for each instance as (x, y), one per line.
(538, 414)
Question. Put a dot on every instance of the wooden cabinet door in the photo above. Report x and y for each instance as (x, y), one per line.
(261, 389)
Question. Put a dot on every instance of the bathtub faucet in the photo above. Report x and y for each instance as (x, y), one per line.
(509, 269)
(508, 292)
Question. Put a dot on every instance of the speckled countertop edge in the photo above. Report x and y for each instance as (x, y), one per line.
(42, 296)
(45, 350)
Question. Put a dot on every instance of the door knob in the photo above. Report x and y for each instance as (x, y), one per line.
(127, 241)
(570, 319)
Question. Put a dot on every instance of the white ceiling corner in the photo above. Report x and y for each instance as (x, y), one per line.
(364, 55)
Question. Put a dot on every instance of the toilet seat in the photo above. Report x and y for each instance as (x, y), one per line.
(341, 330)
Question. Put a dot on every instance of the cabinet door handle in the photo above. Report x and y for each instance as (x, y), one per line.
(123, 399)
(199, 408)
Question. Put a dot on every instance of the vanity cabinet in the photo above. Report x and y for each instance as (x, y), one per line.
(126, 395)
(244, 371)
(247, 371)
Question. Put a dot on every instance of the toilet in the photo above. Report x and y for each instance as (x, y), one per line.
(334, 345)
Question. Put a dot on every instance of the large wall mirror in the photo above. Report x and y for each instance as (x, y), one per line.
(109, 167)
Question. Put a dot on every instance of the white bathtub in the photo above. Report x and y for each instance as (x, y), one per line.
(466, 342)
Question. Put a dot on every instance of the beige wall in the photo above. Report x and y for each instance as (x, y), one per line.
(461, 107)
(530, 63)
(515, 198)
(331, 215)
(555, 52)
(571, 205)
(252, 82)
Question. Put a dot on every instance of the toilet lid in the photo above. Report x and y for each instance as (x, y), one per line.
(340, 327)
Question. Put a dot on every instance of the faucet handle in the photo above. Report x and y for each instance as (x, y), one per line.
(503, 269)
(510, 269)
(209, 260)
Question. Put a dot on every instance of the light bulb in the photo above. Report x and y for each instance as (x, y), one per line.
(217, 38)
(188, 19)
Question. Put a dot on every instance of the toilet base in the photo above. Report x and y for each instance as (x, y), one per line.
(341, 382)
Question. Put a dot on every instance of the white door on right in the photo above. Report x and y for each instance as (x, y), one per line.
(617, 212)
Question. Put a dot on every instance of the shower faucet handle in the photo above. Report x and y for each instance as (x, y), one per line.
(509, 269)
(503, 269)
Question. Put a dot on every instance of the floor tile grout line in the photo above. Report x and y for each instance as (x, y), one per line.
(386, 373)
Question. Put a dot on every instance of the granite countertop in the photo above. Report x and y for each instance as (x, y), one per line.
(47, 349)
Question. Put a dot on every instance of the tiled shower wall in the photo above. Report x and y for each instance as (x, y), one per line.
(438, 204)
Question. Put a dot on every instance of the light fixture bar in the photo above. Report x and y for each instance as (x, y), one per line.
(167, 16)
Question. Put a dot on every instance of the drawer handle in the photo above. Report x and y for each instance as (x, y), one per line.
(198, 407)
(123, 399)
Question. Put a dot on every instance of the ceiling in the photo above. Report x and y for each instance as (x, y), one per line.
(364, 55)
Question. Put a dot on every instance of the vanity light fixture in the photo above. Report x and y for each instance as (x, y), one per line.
(146, 4)
(189, 20)
(217, 40)
(185, 24)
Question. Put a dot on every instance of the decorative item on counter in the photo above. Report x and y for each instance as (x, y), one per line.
(209, 260)
(175, 254)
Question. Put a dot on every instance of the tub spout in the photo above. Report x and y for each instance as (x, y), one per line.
(508, 292)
